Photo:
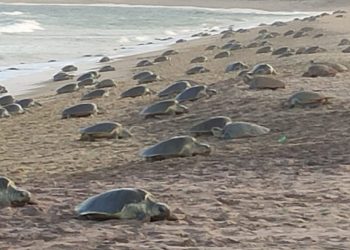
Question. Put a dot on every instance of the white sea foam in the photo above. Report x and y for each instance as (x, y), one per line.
(21, 26)
(12, 13)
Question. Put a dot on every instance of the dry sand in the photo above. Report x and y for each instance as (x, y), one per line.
(251, 193)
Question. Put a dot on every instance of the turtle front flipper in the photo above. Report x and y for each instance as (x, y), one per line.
(124, 133)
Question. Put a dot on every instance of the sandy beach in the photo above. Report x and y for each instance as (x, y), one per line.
(249, 193)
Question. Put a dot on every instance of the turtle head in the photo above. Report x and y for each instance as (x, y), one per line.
(19, 197)
(202, 149)
(161, 211)
(217, 132)
(180, 109)
(211, 92)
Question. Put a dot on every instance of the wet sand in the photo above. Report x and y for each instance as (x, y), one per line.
(252, 193)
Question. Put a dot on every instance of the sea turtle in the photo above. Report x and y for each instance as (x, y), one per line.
(106, 83)
(263, 69)
(6, 100)
(197, 70)
(124, 203)
(236, 66)
(309, 99)
(11, 195)
(3, 89)
(62, 76)
(86, 82)
(336, 66)
(320, 70)
(313, 50)
(233, 130)
(175, 88)
(104, 59)
(289, 32)
(346, 50)
(344, 42)
(167, 107)
(144, 63)
(199, 59)
(211, 47)
(178, 146)
(137, 91)
(69, 68)
(281, 51)
(222, 54)
(68, 88)
(4, 113)
(194, 93)
(149, 79)
(106, 68)
(170, 52)
(266, 49)
(97, 93)
(263, 82)
(80, 110)
(161, 59)
(106, 130)
(14, 109)
(88, 75)
(205, 127)
(28, 102)
(142, 74)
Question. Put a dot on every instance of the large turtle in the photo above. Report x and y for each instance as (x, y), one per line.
(194, 93)
(124, 203)
(263, 82)
(137, 91)
(4, 113)
(68, 88)
(6, 100)
(149, 79)
(106, 83)
(144, 63)
(197, 70)
(167, 107)
(306, 99)
(233, 130)
(97, 93)
(80, 110)
(175, 88)
(106, 130)
(178, 146)
(86, 82)
(320, 70)
(263, 69)
(14, 109)
(205, 127)
(143, 74)
(28, 102)
(11, 195)
(88, 75)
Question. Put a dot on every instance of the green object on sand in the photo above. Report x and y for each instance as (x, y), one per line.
(282, 139)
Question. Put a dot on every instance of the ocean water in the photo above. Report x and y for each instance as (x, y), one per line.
(32, 34)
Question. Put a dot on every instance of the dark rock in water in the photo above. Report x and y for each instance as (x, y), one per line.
(3, 90)
(12, 69)
(87, 55)
(181, 41)
(52, 61)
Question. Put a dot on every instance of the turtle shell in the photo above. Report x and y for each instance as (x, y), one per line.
(236, 66)
(205, 127)
(196, 70)
(111, 202)
(171, 147)
(199, 59)
(6, 100)
(68, 88)
(174, 88)
(148, 79)
(80, 110)
(158, 108)
(100, 128)
(97, 93)
(191, 94)
(235, 130)
(144, 63)
(14, 108)
(88, 75)
(107, 83)
(306, 97)
(265, 82)
(142, 74)
(263, 69)
(135, 92)
(26, 103)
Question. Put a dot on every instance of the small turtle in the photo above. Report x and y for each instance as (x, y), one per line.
(3, 90)
(263, 82)
(68, 88)
(222, 54)
(205, 127)
(289, 33)
(106, 130)
(234, 130)
(80, 110)
(236, 66)
(308, 99)
(281, 51)
(263, 69)
(175, 88)
(299, 34)
(106, 83)
(104, 59)
(336, 66)
(144, 63)
(142, 74)
(149, 79)
(170, 52)
(6, 100)
(181, 41)
(320, 70)
(161, 59)
(167, 107)
(28, 102)
(88, 75)
(178, 146)
(266, 49)
(124, 203)
(346, 50)
(69, 68)
(14, 109)
(97, 93)
(62, 76)
(344, 42)
(137, 91)
(106, 68)
(86, 82)
(199, 59)
(211, 47)
(12, 196)
(194, 93)
(197, 70)
(4, 113)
